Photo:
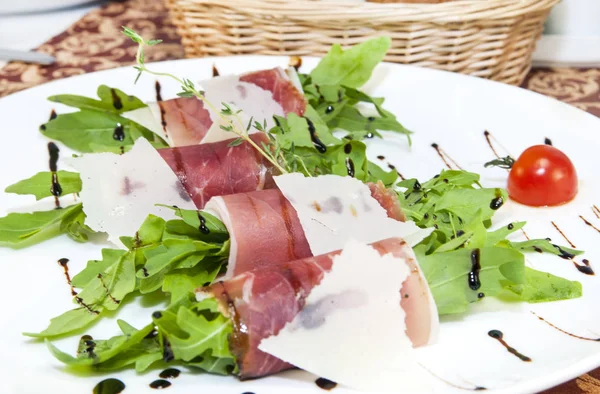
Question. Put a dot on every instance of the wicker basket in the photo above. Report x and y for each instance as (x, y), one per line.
(487, 38)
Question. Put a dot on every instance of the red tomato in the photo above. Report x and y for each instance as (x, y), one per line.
(542, 176)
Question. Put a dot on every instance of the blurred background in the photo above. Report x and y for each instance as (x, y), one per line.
(571, 36)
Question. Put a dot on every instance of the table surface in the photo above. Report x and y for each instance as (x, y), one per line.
(93, 42)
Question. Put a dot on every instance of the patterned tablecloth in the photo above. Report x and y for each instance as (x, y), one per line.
(95, 43)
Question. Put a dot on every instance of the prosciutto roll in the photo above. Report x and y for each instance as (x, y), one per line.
(265, 230)
(260, 95)
(217, 169)
(262, 301)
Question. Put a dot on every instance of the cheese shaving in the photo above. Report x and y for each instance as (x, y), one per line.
(119, 191)
(333, 209)
(351, 329)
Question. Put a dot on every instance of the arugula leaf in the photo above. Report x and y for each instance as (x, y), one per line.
(196, 331)
(154, 259)
(192, 330)
(90, 131)
(40, 184)
(459, 208)
(447, 275)
(111, 100)
(543, 245)
(352, 67)
(544, 287)
(69, 322)
(24, 229)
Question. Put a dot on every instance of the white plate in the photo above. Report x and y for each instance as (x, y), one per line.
(449, 109)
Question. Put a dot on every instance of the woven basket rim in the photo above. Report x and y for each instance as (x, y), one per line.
(448, 12)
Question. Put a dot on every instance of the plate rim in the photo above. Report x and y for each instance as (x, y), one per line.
(543, 382)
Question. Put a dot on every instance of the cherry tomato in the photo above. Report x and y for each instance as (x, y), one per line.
(542, 176)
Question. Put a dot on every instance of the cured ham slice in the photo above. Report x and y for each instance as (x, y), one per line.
(262, 301)
(258, 95)
(263, 227)
(306, 217)
(217, 169)
(283, 89)
(388, 199)
(185, 121)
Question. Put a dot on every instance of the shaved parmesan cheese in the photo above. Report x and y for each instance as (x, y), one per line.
(149, 117)
(351, 329)
(216, 132)
(256, 104)
(119, 191)
(333, 209)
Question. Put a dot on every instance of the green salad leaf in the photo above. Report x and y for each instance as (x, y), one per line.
(40, 184)
(24, 229)
(111, 100)
(89, 131)
(544, 287)
(460, 211)
(98, 126)
(155, 260)
(189, 332)
(351, 67)
(447, 274)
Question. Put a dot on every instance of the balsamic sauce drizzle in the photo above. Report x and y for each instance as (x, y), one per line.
(392, 167)
(113, 299)
(496, 203)
(563, 331)
(473, 276)
(596, 211)
(319, 145)
(563, 234)
(64, 263)
(476, 388)
(168, 354)
(160, 384)
(170, 373)
(489, 137)
(215, 71)
(350, 167)
(157, 89)
(55, 188)
(119, 133)
(89, 346)
(53, 115)
(498, 335)
(203, 229)
(117, 103)
(548, 141)
(589, 223)
(445, 157)
(489, 142)
(325, 384)
(585, 268)
(109, 386)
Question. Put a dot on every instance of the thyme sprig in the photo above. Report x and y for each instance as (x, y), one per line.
(229, 116)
